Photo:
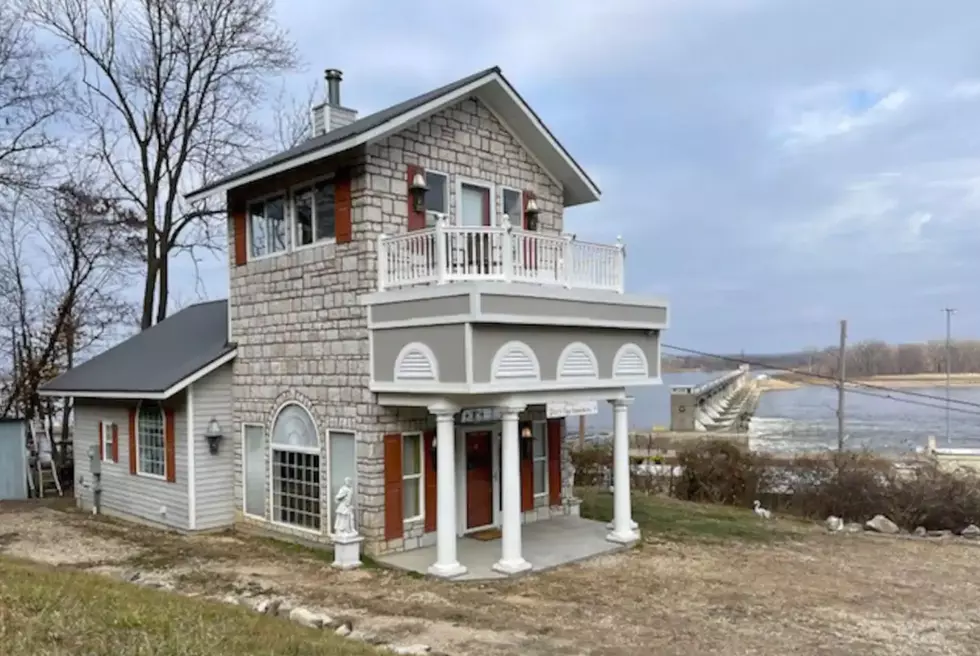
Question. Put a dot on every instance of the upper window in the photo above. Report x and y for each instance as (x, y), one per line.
(314, 214)
(510, 203)
(267, 226)
(412, 476)
(437, 198)
(296, 469)
(151, 458)
(540, 455)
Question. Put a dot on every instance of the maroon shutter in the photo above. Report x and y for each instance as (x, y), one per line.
(132, 440)
(431, 511)
(394, 521)
(170, 444)
(554, 461)
(343, 222)
(416, 220)
(527, 472)
(101, 439)
(239, 219)
(115, 443)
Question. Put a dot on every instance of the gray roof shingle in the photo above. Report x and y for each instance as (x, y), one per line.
(342, 134)
(155, 359)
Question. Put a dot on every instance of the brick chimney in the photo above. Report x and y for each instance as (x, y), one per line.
(330, 114)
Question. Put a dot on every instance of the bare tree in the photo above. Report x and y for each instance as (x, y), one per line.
(64, 264)
(28, 100)
(169, 93)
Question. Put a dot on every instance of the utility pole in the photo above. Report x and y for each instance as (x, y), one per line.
(949, 316)
(581, 432)
(841, 381)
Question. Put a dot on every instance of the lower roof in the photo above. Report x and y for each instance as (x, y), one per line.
(157, 362)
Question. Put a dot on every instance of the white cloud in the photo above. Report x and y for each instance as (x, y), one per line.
(814, 115)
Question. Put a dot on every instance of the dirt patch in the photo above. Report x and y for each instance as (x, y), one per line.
(43, 535)
(815, 594)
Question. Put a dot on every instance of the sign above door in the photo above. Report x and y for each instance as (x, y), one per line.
(558, 409)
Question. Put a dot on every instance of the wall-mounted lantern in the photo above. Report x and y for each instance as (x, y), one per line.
(527, 440)
(213, 436)
(531, 213)
(417, 189)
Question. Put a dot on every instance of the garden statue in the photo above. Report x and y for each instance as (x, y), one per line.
(343, 524)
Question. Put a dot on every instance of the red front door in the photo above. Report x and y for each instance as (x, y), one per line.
(479, 479)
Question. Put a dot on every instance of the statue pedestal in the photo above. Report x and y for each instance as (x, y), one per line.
(347, 551)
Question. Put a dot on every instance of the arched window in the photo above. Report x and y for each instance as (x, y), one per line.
(295, 468)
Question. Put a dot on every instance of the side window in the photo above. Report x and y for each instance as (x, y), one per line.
(437, 198)
(510, 204)
(267, 226)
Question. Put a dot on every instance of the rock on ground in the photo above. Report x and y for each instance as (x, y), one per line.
(308, 618)
(409, 650)
(834, 524)
(881, 524)
(920, 531)
(971, 531)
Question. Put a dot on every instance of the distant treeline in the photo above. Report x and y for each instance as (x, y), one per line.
(868, 358)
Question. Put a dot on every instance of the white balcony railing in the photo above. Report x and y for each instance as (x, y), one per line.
(445, 253)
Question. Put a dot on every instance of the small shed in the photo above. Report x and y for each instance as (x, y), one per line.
(13, 459)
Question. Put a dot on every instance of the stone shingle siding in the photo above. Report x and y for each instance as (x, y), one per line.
(301, 331)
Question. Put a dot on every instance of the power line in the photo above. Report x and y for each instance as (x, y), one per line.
(850, 385)
(922, 404)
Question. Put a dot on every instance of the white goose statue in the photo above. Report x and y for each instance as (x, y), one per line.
(760, 511)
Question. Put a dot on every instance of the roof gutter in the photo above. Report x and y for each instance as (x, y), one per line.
(157, 395)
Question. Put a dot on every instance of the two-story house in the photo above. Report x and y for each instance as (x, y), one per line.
(404, 306)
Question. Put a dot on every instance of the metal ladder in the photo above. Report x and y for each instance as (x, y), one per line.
(47, 473)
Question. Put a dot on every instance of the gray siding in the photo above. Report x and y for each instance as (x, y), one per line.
(547, 342)
(441, 306)
(213, 479)
(448, 344)
(572, 310)
(124, 494)
(13, 461)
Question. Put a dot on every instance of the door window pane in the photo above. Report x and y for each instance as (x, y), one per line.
(473, 206)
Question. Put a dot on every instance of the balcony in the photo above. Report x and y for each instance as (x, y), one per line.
(444, 254)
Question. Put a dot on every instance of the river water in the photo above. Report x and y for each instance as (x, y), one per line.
(804, 419)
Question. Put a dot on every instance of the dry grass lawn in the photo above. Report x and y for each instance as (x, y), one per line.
(706, 580)
(46, 611)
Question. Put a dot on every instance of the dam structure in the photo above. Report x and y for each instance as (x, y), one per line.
(724, 404)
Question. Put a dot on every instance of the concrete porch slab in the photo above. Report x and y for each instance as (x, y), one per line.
(548, 543)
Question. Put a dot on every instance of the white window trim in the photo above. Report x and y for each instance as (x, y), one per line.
(106, 427)
(291, 215)
(268, 501)
(446, 195)
(543, 426)
(136, 427)
(475, 182)
(248, 224)
(420, 477)
(287, 194)
(317, 451)
(519, 223)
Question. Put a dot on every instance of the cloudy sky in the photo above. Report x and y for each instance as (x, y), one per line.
(773, 165)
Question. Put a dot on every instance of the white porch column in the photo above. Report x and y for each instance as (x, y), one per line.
(446, 565)
(623, 526)
(511, 561)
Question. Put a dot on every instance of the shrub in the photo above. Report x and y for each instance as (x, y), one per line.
(718, 471)
(853, 486)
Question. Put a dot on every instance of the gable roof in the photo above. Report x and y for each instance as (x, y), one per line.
(489, 85)
(157, 362)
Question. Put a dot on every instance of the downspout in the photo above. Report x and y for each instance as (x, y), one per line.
(191, 468)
